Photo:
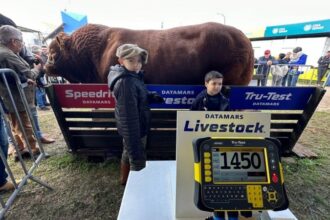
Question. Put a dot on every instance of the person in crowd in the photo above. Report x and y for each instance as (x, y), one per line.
(11, 43)
(279, 71)
(287, 59)
(299, 58)
(24, 53)
(41, 99)
(255, 66)
(4, 184)
(264, 67)
(324, 66)
(44, 53)
(28, 56)
(40, 90)
(211, 98)
(132, 110)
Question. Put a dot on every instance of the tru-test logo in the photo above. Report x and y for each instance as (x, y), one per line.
(269, 96)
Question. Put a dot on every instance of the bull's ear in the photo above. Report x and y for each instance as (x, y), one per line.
(63, 41)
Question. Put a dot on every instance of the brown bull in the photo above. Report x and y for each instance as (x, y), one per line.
(179, 55)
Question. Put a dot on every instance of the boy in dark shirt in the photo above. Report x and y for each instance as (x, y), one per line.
(132, 110)
(211, 99)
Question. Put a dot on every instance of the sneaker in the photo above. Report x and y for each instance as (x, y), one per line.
(8, 186)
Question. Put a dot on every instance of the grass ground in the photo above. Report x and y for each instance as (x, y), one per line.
(308, 180)
(84, 190)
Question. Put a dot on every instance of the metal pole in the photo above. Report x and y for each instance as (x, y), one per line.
(223, 16)
(326, 79)
(313, 73)
(28, 173)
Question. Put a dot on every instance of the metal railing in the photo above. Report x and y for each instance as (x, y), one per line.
(307, 73)
(28, 171)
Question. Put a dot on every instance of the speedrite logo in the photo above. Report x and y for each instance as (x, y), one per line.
(235, 125)
(69, 93)
(84, 96)
(97, 97)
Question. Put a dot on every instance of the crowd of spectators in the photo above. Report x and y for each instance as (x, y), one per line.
(285, 69)
(29, 69)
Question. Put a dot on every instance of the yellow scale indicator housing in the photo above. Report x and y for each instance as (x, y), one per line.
(239, 174)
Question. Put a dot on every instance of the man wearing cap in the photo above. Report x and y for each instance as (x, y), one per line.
(324, 66)
(264, 67)
(298, 57)
(132, 110)
(11, 43)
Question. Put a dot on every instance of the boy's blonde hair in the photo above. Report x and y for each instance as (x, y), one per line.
(126, 51)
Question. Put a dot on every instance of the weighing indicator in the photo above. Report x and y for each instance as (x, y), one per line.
(238, 174)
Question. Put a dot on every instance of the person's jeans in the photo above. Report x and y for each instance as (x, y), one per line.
(264, 79)
(4, 148)
(35, 119)
(293, 79)
(41, 97)
(284, 79)
(320, 74)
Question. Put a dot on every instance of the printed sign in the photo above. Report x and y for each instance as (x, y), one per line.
(313, 27)
(200, 124)
(280, 98)
(176, 96)
(98, 95)
(181, 97)
(84, 96)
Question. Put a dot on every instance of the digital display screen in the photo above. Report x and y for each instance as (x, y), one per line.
(239, 164)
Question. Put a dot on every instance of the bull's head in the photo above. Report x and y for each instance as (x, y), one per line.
(59, 56)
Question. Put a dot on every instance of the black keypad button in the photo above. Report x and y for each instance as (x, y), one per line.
(213, 193)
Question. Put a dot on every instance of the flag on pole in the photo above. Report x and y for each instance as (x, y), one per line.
(72, 21)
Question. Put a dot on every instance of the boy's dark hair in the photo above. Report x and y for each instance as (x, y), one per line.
(212, 75)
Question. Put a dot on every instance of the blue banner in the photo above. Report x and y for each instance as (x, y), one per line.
(313, 27)
(275, 98)
(176, 97)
